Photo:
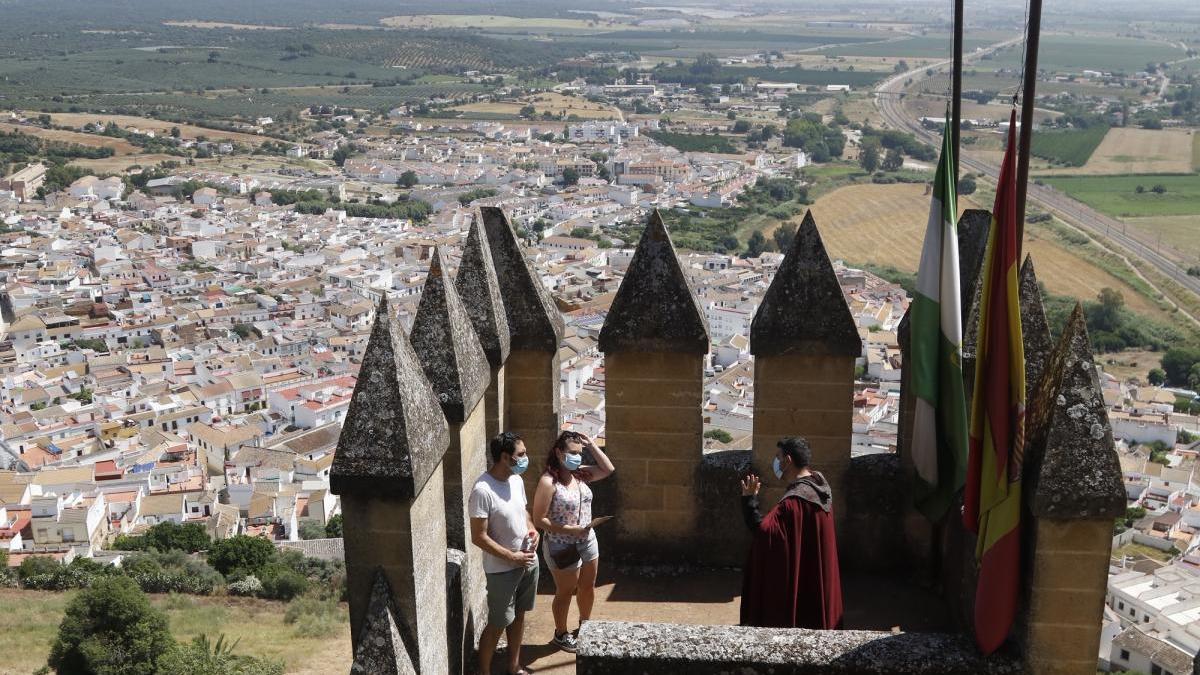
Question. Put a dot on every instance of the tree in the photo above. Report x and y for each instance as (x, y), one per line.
(1157, 377)
(893, 161)
(175, 133)
(311, 530)
(241, 553)
(966, 185)
(407, 179)
(528, 111)
(1108, 315)
(1177, 363)
(333, 529)
(1158, 189)
(741, 127)
(756, 245)
(868, 159)
(718, 435)
(570, 176)
(110, 629)
(167, 536)
(202, 657)
(784, 235)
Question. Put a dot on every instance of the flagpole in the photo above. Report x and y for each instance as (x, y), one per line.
(1033, 33)
(956, 84)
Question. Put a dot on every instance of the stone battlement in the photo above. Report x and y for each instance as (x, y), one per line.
(483, 356)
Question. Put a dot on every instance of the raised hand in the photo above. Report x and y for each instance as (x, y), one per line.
(750, 485)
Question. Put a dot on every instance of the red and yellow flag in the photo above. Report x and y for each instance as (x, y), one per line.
(992, 507)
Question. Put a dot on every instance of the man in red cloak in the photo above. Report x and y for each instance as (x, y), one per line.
(791, 578)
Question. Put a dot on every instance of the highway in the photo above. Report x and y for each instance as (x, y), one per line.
(1108, 230)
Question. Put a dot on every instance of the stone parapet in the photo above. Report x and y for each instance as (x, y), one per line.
(617, 648)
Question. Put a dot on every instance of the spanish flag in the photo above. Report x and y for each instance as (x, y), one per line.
(992, 507)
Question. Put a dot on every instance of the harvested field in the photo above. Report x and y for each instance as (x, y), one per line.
(120, 163)
(1138, 151)
(1179, 232)
(553, 103)
(885, 225)
(188, 130)
(119, 145)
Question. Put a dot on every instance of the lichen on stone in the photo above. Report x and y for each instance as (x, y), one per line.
(534, 321)
(445, 342)
(804, 311)
(381, 649)
(479, 290)
(655, 309)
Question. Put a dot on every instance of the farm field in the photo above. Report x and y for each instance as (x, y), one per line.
(1179, 232)
(552, 103)
(1117, 195)
(1060, 53)
(885, 225)
(191, 131)
(1073, 148)
(121, 163)
(493, 21)
(934, 46)
(119, 145)
(32, 617)
(1135, 151)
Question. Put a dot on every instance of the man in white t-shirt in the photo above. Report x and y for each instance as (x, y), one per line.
(500, 523)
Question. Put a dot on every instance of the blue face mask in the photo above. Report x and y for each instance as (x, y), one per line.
(521, 465)
(776, 468)
(572, 462)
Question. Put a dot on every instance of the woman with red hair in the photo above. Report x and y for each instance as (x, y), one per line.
(562, 508)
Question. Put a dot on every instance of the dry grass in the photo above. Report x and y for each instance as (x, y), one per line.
(1131, 151)
(31, 620)
(885, 225)
(188, 130)
(121, 163)
(119, 145)
(553, 103)
(486, 21)
(1135, 364)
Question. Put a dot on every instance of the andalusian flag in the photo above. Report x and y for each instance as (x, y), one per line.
(992, 506)
(939, 449)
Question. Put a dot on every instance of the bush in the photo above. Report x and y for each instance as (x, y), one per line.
(719, 435)
(37, 565)
(242, 554)
(111, 629)
(201, 657)
(167, 536)
(249, 586)
(333, 528)
(313, 616)
(280, 582)
(311, 530)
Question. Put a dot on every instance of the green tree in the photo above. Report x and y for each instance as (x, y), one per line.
(756, 245)
(570, 176)
(1108, 314)
(311, 530)
(167, 536)
(110, 629)
(967, 185)
(718, 435)
(241, 553)
(783, 236)
(333, 529)
(868, 159)
(741, 127)
(1177, 363)
(893, 160)
(407, 179)
(202, 657)
(1157, 377)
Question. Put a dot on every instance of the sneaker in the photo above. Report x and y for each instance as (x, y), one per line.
(564, 641)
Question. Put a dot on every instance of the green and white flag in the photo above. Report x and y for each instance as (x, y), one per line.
(939, 439)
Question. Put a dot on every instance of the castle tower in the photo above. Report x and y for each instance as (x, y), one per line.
(479, 290)
(457, 369)
(531, 373)
(388, 471)
(805, 342)
(654, 341)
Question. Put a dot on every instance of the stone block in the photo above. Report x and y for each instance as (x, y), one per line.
(641, 497)
(664, 366)
(800, 369)
(656, 419)
(671, 472)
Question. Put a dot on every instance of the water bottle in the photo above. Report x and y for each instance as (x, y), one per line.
(527, 543)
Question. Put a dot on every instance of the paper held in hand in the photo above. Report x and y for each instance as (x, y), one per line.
(598, 521)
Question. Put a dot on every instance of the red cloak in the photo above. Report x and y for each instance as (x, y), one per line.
(791, 579)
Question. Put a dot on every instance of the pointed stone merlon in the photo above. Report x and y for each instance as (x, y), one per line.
(531, 373)
(448, 349)
(974, 227)
(654, 341)
(1034, 327)
(1074, 491)
(805, 343)
(380, 648)
(388, 471)
(479, 289)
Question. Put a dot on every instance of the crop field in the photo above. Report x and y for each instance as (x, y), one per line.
(885, 225)
(32, 617)
(1072, 148)
(1133, 151)
(188, 130)
(1118, 195)
(1179, 232)
(555, 104)
(492, 22)
(119, 145)
(1074, 53)
(925, 46)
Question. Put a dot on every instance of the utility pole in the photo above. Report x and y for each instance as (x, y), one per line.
(1032, 37)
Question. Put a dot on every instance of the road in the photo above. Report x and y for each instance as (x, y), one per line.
(888, 97)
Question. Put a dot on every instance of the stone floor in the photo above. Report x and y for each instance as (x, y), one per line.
(713, 597)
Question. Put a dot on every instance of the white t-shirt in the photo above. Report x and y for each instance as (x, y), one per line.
(503, 504)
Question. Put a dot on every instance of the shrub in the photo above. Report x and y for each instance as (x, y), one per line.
(333, 528)
(36, 566)
(202, 657)
(280, 582)
(247, 555)
(249, 586)
(313, 616)
(110, 629)
(311, 530)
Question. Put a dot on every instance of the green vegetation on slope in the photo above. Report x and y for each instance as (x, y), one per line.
(1119, 195)
(694, 142)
